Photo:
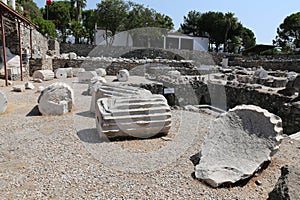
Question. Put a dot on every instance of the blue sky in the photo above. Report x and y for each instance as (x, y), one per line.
(261, 16)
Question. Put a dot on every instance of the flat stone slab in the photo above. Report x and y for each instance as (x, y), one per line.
(3, 102)
(136, 116)
(19, 88)
(56, 99)
(239, 142)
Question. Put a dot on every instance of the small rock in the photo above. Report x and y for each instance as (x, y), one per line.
(29, 86)
(258, 182)
(40, 89)
(166, 138)
(19, 88)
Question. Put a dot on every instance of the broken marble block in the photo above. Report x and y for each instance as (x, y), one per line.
(44, 75)
(123, 75)
(101, 72)
(85, 77)
(76, 71)
(239, 142)
(19, 88)
(3, 102)
(56, 99)
(110, 90)
(137, 116)
(95, 83)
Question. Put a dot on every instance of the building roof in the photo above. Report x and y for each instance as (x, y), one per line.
(10, 13)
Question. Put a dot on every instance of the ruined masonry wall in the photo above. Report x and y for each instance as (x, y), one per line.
(198, 93)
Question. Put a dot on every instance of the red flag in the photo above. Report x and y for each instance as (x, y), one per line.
(48, 2)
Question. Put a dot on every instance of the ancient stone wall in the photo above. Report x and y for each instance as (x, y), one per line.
(201, 57)
(197, 93)
(39, 42)
(277, 62)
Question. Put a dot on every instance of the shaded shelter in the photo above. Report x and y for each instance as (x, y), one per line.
(7, 14)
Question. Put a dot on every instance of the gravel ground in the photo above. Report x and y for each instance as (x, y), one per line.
(62, 157)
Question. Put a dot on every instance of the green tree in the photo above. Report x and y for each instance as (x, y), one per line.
(30, 9)
(80, 4)
(192, 24)
(111, 16)
(248, 38)
(59, 13)
(46, 27)
(230, 23)
(88, 21)
(288, 33)
(77, 30)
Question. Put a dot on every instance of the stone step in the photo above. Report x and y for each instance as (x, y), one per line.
(134, 125)
(133, 116)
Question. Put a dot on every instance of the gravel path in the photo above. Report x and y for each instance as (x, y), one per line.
(62, 157)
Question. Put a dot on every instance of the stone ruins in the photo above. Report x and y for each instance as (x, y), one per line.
(239, 142)
(56, 99)
(3, 102)
(135, 116)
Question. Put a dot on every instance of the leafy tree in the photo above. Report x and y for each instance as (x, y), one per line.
(192, 24)
(288, 33)
(77, 30)
(46, 27)
(146, 26)
(88, 21)
(59, 13)
(230, 23)
(111, 16)
(221, 29)
(248, 38)
(79, 5)
(30, 9)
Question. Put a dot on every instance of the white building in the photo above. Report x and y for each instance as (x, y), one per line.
(170, 41)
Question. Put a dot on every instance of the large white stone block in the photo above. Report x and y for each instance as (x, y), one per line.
(101, 72)
(56, 99)
(44, 75)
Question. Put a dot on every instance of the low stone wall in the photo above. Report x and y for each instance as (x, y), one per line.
(200, 57)
(113, 67)
(197, 93)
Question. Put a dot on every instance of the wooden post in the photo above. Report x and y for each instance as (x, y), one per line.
(30, 43)
(4, 49)
(20, 50)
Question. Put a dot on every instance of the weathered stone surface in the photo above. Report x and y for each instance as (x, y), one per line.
(56, 99)
(19, 88)
(101, 72)
(61, 73)
(292, 86)
(29, 86)
(137, 116)
(3, 102)
(44, 75)
(72, 55)
(237, 145)
(261, 73)
(40, 89)
(64, 73)
(95, 83)
(123, 75)
(86, 77)
(76, 71)
(110, 90)
(287, 187)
